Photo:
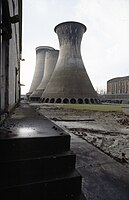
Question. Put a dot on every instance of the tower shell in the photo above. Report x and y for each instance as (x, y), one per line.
(39, 67)
(70, 82)
(49, 65)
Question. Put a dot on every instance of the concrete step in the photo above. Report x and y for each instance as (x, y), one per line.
(64, 186)
(29, 147)
(35, 159)
(22, 171)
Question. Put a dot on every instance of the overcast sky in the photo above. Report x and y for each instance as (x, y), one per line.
(105, 44)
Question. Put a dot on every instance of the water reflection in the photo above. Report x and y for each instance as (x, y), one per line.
(26, 131)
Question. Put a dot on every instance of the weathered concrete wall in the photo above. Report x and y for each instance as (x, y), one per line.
(5, 34)
(3, 77)
(14, 58)
(11, 53)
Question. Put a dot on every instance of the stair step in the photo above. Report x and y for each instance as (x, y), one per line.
(69, 197)
(19, 148)
(63, 197)
(31, 167)
(61, 186)
(26, 170)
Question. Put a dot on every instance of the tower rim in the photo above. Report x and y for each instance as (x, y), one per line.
(44, 48)
(70, 22)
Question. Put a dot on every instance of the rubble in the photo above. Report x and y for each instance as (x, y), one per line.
(108, 131)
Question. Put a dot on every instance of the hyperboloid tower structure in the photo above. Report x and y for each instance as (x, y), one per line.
(51, 57)
(70, 82)
(39, 68)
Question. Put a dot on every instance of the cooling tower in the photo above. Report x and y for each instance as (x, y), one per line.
(39, 67)
(70, 82)
(49, 65)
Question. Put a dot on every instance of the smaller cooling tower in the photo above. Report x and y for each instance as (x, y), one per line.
(49, 65)
(39, 67)
(69, 82)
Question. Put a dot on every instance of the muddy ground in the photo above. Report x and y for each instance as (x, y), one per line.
(108, 131)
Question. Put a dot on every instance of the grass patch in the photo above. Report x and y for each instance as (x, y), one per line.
(95, 107)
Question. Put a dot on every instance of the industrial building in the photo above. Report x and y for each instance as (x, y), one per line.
(117, 90)
(10, 52)
(119, 85)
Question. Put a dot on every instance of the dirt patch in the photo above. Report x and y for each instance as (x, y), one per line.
(108, 131)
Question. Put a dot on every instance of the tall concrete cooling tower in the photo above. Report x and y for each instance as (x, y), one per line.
(39, 67)
(70, 82)
(49, 65)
